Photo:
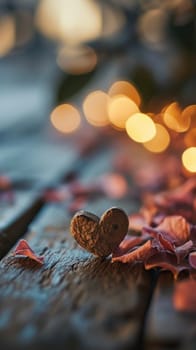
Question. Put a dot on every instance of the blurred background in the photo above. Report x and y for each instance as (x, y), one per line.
(70, 53)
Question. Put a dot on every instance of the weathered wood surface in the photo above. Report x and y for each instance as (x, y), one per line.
(167, 328)
(75, 300)
(15, 217)
(32, 160)
(39, 164)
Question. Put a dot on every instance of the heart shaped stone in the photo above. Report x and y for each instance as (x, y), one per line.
(100, 236)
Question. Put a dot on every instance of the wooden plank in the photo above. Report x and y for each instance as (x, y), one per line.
(37, 159)
(74, 300)
(15, 217)
(167, 328)
(17, 214)
(46, 166)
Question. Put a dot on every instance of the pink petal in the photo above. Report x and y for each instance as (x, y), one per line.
(137, 255)
(78, 189)
(128, 243)
(113, 185)
(5, 182)
(183, 250)
(77, 204)
(56, 195)
(24, 250)
(174, 228)
(184, 297)
(165, 243)
(192, 260)
(166, 261)
(137, 222)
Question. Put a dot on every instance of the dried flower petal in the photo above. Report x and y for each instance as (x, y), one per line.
(5, 182)
(177, 227)
(113, 185)
(137, 255)
(179, 201)
(137, 221)
(128, 243)
(165, 243)
(24, 250)
(173, 228)
(192, 260)
(184, 297)
(57, 195)
(78, 189)
(183, 250)
(166, 261)
(77, 204)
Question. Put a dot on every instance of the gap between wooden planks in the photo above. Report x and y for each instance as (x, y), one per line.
(78, 301)
(74, 300)
(16, 215)
(167, 328)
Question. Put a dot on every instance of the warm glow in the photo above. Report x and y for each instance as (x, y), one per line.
(190, 112)
(70, 21)
(140, 127)
(95, 108)
(189, 159)
(190, 138)
(125, 88)
(114, 20)
(160, 142)
(174, 118)
(77, 59)
(151, 27)
(120, 108)
(65, 118)
(7, 35)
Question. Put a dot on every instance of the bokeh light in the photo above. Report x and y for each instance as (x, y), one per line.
(140, 127)
(190, 112)
(7, 34)
(190, 138)
(125, 88)
(65, 118)
(189, 159)
(76, 59)
(174, 119)
(160, 141)
(69, 21)
(113, 19)
(120, 108)
(152, 27)
(95, 108)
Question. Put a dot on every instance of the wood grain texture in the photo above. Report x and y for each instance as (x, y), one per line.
(74, 300)
(167, 328)
(39, 165)
(15, 217)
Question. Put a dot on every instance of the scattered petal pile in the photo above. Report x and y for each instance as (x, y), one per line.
(163, 233)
